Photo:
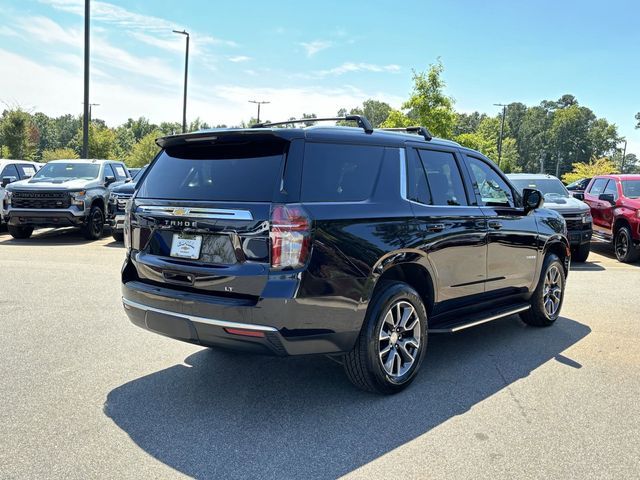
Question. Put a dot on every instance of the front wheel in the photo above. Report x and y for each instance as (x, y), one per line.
(581, 253)
(20, 232)
(548, 296)
(94, 227)
(391, 345)
(626, 252)
(118, 235)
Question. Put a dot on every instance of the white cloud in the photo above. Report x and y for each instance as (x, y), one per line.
(7, 32)
(47, 32)
(57, 91)
(351, 67)
(239, 58)
(316, 46)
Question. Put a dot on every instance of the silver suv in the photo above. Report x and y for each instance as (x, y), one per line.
(63, 193)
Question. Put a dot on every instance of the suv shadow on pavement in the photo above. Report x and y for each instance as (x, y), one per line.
(229, 415)
(54, 237)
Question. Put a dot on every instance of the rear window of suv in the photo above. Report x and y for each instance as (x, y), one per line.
(240, 172)
(339, 173)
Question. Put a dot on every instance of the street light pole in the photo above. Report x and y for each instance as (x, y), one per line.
(186, 72)
(85, 116)
(504, 114)
(259, 102)
(624, 154)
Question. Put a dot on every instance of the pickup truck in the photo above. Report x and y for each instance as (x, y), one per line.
(63, 193)
(615, 207)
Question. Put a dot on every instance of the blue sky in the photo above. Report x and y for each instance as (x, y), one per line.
(319, 56)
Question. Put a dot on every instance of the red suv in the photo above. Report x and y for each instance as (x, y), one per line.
(615, 208)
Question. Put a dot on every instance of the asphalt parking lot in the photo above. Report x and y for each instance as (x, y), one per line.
(84, 394)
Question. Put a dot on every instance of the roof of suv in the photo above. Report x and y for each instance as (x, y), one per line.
(620, 176)
(320, 132)
(532, 176)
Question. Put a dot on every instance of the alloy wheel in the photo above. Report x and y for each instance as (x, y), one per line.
(399, 338)
(552, 294)
(622, 244)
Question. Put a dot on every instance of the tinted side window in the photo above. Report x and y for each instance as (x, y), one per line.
(9, 171)
(493, 189)
(443, 178)
(612, 189)
(339, 173)
(598, 186)
(108, 171)
(26, 171)
(417, 186)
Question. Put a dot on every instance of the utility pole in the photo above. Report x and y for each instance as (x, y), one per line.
(504, 114)
(85, 116)
(259, 102)
(624, 154)
(186, 72)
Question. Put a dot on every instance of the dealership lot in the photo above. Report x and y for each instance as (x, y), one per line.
(85, 394)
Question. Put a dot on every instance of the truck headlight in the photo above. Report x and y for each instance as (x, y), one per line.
(77, 198)
(586, 217)
(7, 199)
(638, 213)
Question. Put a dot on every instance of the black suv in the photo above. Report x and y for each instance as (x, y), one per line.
(346, 241)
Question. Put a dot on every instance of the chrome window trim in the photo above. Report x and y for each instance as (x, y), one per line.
(403, 186)
(209, 321)
(197, 212)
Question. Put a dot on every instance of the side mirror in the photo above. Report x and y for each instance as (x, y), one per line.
(532, 199)
(578, 195)
(607, 197)
(109, 179)
(7, 180)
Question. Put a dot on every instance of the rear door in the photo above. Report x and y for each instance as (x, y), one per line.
(200, 217)
(453, 228)
(512, 250)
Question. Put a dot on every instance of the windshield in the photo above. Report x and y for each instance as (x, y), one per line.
(631, 188)
(551, 187)
(67, 171)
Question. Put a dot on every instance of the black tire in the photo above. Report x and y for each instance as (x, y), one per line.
(94, 226)
(538, 315)
(581, 253)
(364, 364)
(20, 232)
(623, 246)
(118, 235)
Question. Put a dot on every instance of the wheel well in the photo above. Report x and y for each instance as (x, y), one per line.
(100, 203)
(620, 222)
(413, 275)
(559, 249)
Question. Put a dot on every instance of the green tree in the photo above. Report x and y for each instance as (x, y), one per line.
(428, 105)
(375, 111)
(48, 134)
(144, 151)
(170, 128)
(601, 166)
(638, 120)
(397, 119)
(467, 122)
(140, 127)
(102, 142)
(67, 127)
(18, 135)
(59, 154)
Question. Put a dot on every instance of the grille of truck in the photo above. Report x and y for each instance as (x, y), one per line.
(40, 200)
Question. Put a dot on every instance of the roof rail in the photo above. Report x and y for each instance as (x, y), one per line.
(422, 131)
(359, 119)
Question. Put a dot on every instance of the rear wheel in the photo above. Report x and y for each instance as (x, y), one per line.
(20, 232)
(623, 245)
(581, 253)
(118, 235)
(94, 227)
(546, 301)
(392, 342)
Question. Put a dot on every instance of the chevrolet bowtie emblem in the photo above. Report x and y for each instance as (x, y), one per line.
(178, 212)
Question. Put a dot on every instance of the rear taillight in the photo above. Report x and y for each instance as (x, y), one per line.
(290, 236)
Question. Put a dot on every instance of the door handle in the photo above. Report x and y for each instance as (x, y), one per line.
(435, 227)
(495, 224)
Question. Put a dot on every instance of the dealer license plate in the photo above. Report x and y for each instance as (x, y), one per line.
(186, 246)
